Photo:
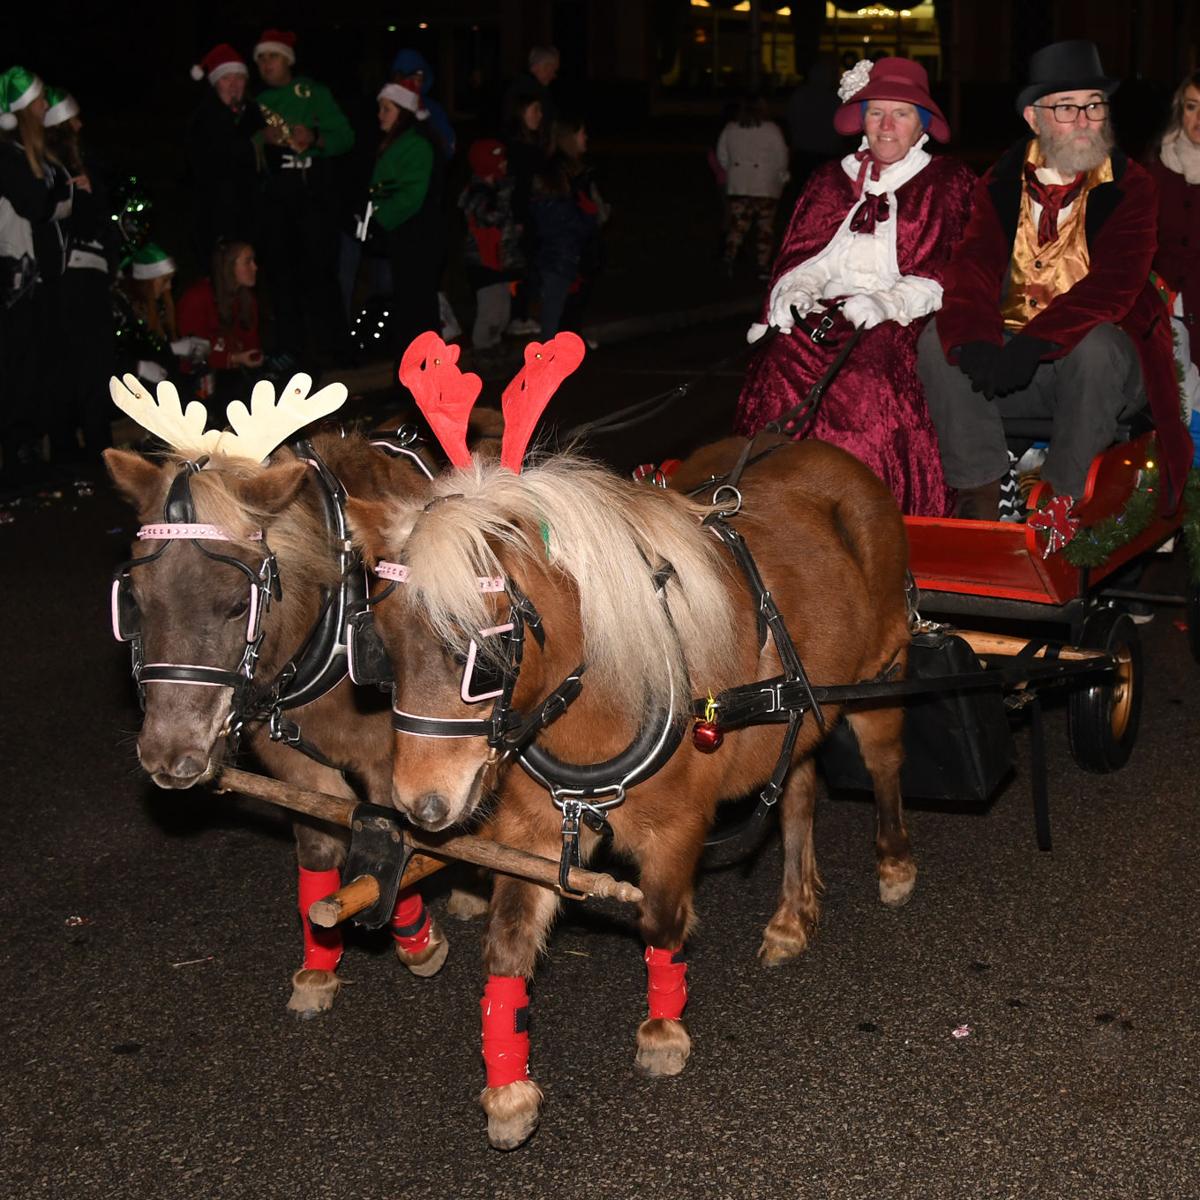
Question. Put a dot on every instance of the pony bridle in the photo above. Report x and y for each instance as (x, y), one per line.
(506, 729)
(179, 524)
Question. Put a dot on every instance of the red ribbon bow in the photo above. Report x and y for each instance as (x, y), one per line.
(866, 160)
(1056, 522)
(1053, 197)
(873, 209)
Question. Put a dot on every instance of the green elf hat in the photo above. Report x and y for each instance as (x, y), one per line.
(18, 89)
(151, 262)
(63, 106)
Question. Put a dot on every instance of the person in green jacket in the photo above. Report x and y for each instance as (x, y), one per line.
(306, 132)
(406, 194)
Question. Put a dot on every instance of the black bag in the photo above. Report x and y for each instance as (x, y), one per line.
(957, 744)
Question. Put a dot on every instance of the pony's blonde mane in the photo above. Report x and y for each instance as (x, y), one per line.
(296, 535)
(605, 537)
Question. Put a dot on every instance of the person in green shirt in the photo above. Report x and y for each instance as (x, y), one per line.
(306, 132)
(405, 197)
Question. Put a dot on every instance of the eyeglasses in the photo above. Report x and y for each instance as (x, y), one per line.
(1068, 114)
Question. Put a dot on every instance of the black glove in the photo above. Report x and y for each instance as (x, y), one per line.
(977, 361)
(1018, 362)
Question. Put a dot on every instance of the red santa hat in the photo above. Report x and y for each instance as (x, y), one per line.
(406, 93)
(219, 61)
(277, 41)
(486, 157)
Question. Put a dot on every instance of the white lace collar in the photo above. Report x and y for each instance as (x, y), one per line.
(895, 174)
(1181, 155)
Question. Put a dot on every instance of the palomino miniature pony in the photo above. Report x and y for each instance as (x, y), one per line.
(185, 592)
(568, 595)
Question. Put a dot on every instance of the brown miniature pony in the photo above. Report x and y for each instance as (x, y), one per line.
(193, 610)
(575, 556)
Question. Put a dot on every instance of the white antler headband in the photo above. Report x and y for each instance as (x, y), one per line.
(267, 423)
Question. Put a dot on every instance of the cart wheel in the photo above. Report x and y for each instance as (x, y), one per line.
(1193, 619)
(1102, 720)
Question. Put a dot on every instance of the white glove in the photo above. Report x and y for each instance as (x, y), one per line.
(864, 311)
(150, 371)
(782, 303)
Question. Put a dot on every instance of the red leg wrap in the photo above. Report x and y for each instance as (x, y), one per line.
(411, 922)
(322, 947)
(666, 983)
(505, 1007)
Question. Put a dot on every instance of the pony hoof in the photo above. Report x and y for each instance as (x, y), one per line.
(512, 1112)
(896, 882)
(463, 905)
(429, 961)
(783, 941)
(663, 1048)
(313, 993)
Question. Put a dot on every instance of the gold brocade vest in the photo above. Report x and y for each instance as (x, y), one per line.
(1036, 273)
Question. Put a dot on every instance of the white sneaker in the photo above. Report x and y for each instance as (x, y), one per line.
(523, 326)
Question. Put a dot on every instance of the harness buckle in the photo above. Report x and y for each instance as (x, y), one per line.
(572, 810)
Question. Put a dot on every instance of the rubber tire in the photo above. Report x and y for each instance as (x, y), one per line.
(1103, 719)
(1193, 620)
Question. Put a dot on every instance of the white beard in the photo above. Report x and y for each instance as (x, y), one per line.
(1070, 157)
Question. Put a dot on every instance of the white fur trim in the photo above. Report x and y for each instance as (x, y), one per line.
(63, 111)
(164, 266)
(275, 48)
(755, 332)
(227, 68)
(1181, 155)
(28, 96)
(403, 97)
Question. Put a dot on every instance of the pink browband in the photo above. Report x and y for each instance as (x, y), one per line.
(210, 533)
(398, 573)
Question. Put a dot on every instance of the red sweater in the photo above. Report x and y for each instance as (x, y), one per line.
(196, 316)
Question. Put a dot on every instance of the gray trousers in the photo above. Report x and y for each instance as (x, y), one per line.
(1085, 393)
(493, 305)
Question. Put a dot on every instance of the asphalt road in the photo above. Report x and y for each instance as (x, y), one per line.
(149, 938)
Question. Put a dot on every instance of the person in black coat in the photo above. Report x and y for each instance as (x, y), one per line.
(35, 195)
(224, 155)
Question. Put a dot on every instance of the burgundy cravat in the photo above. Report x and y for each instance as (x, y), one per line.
(866, 161)
(872, 209)
(1053, 197)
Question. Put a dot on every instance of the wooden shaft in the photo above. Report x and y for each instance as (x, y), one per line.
(462, 847)
(985, 644)
(349, 899)
(510, 861)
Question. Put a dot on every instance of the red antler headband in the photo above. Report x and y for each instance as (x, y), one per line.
(429, 369)
(525, 399)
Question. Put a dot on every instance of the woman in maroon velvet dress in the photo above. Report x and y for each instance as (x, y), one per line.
(873, 232)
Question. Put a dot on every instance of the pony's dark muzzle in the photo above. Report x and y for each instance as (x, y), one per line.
(431, 811)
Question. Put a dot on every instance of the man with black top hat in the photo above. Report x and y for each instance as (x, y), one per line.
(1048, 309)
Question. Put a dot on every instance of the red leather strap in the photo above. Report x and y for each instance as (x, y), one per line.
(322, 947)
(505, 1009)
(666, 983)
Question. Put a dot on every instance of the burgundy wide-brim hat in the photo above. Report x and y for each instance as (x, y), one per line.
(893, 79)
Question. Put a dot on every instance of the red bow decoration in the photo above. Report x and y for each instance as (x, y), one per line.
(874, 208)
(867, 161)
(429, 369)
(524, 400)
(1056, 522)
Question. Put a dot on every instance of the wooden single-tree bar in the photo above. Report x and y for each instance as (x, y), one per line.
(460, 847)
(985, 644)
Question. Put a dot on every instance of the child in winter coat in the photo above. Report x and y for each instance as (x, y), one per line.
(567, 214)
(493, 250)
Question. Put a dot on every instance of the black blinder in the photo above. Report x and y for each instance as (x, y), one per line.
(366, 657)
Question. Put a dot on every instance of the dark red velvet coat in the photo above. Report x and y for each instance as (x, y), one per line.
(1178, 257)
(1120, 226)
(875, 407)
